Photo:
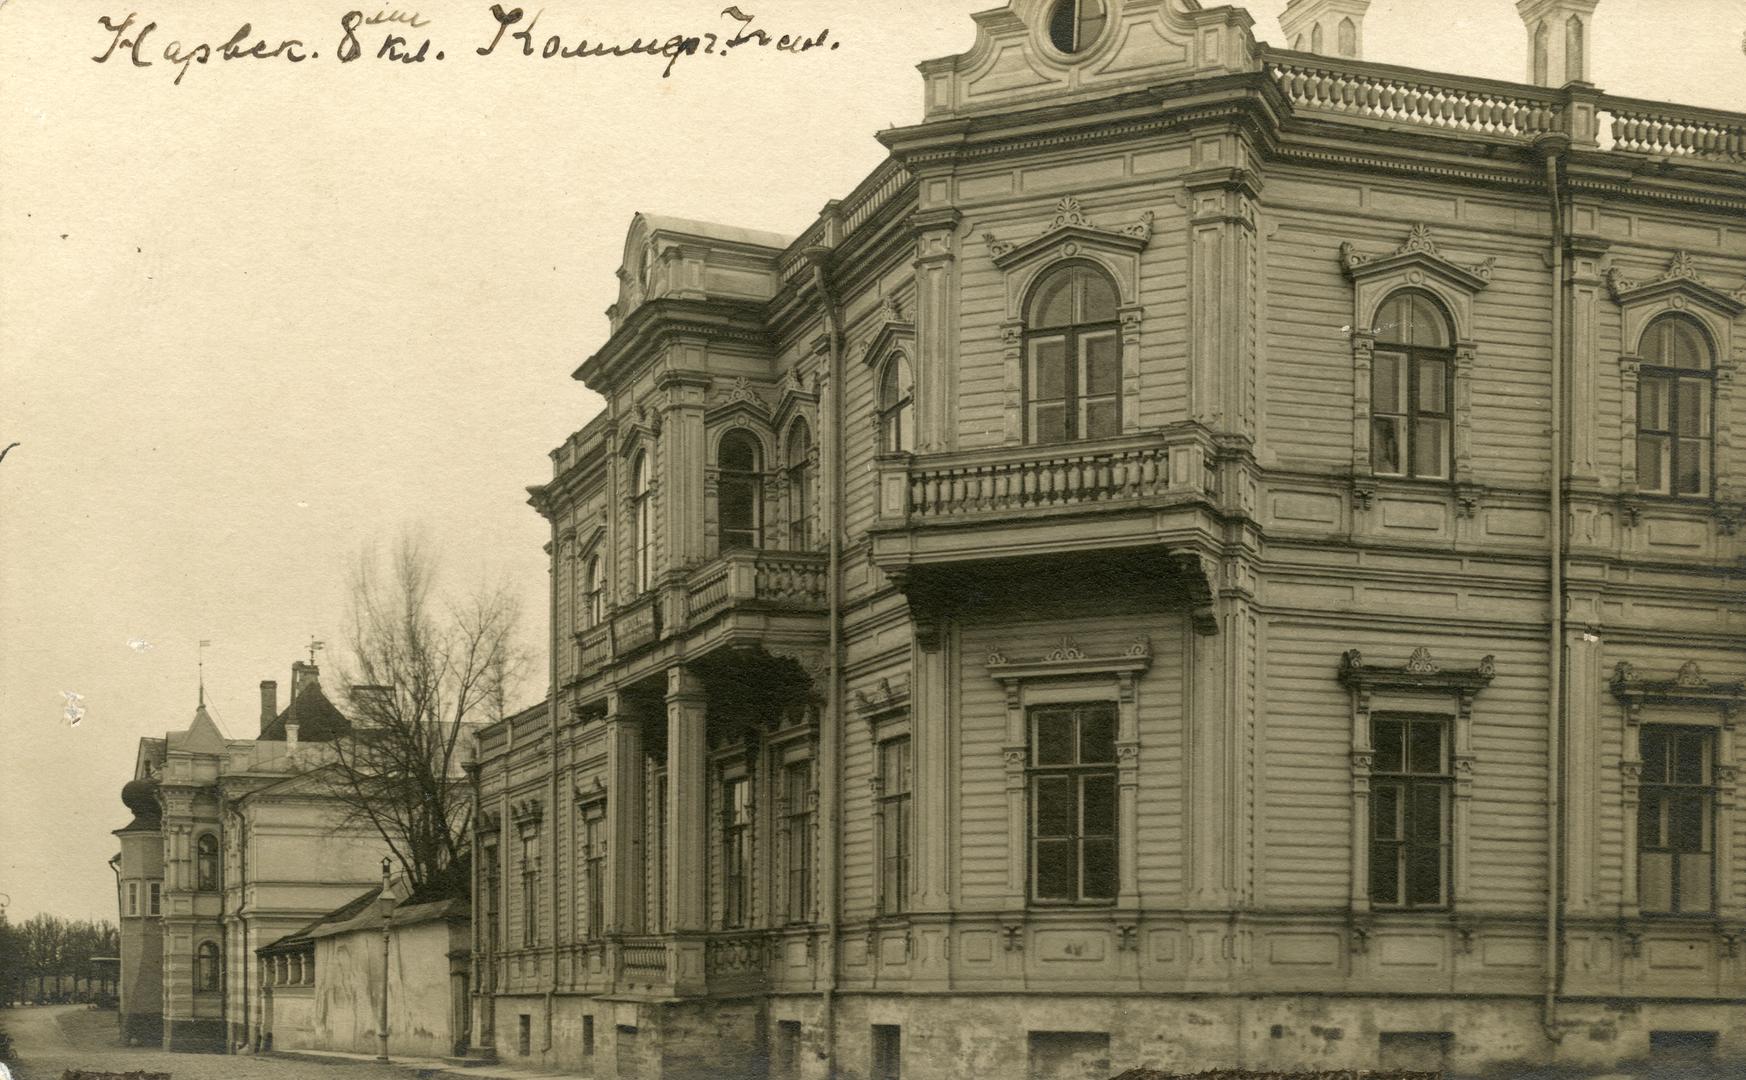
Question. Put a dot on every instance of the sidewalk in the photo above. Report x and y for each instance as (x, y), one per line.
(422, 1067)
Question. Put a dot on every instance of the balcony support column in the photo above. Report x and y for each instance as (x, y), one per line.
(687, 824)
(623, 905)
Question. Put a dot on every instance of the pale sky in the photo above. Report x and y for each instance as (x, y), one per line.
(254, 320)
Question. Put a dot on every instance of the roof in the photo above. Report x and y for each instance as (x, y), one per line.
(202, 736)
(316, 718)
(360, 913)
(710, 230)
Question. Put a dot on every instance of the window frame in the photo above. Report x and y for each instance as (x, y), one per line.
(1075, 363)
(642, 524)
(1078, 43)
(208, 968)
(1409, 781)
(1079, 774)
(530, 887)
(154, 898)
(132, 893)
(798, 489)
(1415, 357)
(208, 872)
(895, 404)
(799, 856)
(1707, 790)
(1673, 377)
(738, 857)
(594, 883)
(895, 809)
(751, 537)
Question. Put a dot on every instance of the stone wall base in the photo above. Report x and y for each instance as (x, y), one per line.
(204, 1036)
(142, 1029)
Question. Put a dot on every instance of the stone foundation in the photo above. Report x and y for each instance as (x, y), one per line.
(142, 1029)
(204, 1036)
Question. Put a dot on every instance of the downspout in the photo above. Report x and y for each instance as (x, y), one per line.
(1554, 149)
(831, 727)
(552, 713)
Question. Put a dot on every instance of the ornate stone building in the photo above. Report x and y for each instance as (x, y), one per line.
(1210, 555)
(233, 844)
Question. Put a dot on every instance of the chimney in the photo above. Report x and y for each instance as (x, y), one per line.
(269, 702)
(1325, 27)
(303, 676)
(1559, 32)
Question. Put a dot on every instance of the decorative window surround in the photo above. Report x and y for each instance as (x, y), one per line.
(1677, 288)
(1067, 673)
(1072, 235)
(882, 703)
(1418, 686)
(1416, 264)
(1690, 700)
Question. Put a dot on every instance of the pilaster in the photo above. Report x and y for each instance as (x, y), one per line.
(681, 399)
(932, 724)
(687, 785)
(1583, 292)
(936, 366)
(1221, 239)
(624, 826)
(1581, 773)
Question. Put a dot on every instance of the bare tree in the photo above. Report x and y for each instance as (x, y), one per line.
(425, 669)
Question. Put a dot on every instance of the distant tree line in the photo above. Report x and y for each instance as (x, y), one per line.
(47, 955)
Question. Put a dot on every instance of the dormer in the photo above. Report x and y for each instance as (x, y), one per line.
(672, 258)
(1060, 50)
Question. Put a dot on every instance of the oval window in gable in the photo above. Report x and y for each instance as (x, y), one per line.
(1075, 25)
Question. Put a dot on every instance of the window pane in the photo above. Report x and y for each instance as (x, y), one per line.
(1097, 735)
(1691, 469)
(1387, 444)
(1057, 809)
(1099, 290)
(1427, 814)
(1652, 462)
(1694, 399)
(1652, 405)
(1388, 383)
(1428, 327)
(1384, 874)
(1102, 418)
(1048, 369)
(903, 432)
(1433, 386)
(1694, 882)
(1049, 423)
(1101, 357)
(1100, 806)
(1689, 765)
(1054, 736)
(1054, 303)
(1100, 869)
(1389, 737)
(737, 511)
(1655, 764)
(1425, 876)
(1655, 881)
(1091, 20)
(1685, 823)
(1649, 823)
(1056, 872)
(1385, 812)
(1425, 750)
(1393, 321)
(1430, 448)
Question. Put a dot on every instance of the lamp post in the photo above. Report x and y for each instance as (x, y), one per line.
(386, 903)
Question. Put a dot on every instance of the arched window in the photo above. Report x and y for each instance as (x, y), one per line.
(1542, 55)
(1072, 357)
(1074, 25)
(206, 966)
(1348, 38)
(594, 593)
(1675, 391)
(1573, 49)
(1316, 39)
(1410, 388)
(642, 525)
(206, 863)
(897, 406)
(739, 495)
(799, 452)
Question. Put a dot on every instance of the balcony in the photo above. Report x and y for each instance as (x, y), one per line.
(793, 580)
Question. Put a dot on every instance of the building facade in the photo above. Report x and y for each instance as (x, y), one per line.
(234, 843)
(1210, 555)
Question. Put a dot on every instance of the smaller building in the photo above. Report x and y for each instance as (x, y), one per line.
(321, 986)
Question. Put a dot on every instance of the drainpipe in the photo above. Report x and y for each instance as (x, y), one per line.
(1554, 148)
(829, 735)
(552, 713)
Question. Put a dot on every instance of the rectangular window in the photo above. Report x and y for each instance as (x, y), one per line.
(657, 906)
(154, 898)
(588, 1036)
(1676, 820)
(1073, 803)
(133, 898)
(736, 797)
(1673, 432)
(524, 1034)
(895, 783)
(887, 1055)
(594, 871)
(1100, 384)
(1410, 415)
(530, 889)
(1409, 812)
(1048, 390)
(797, 800)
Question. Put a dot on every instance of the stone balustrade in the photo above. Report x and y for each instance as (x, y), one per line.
(1405, 96)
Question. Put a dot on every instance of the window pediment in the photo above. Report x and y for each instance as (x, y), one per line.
(739, 399)
(1679, 282)
(1071, 233)
(1687, 687)
(1417, 261)
(1420, 674)
(1068, 659)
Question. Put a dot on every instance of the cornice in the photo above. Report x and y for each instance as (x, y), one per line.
(658, 321)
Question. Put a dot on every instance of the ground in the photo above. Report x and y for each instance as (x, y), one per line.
(48, 1039)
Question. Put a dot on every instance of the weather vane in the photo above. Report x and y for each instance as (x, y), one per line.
(201, 666)
(315, 647)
